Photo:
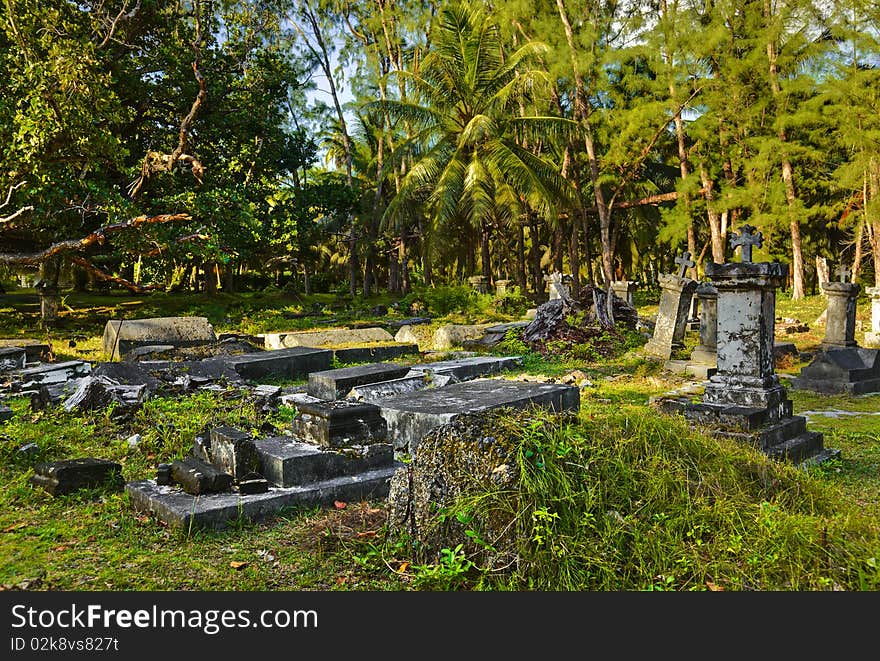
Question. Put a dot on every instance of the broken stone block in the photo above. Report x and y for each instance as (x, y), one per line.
(6, 413)
(464, 369)
(123, 335)
(63, 477)
(375, 352)
(12, 358)
(56, 372)
(34, 349)
(253, 484)
(374, 392)
(95, 392)
(199, 477)
(293, 363)
(163, 474)
(288, 461)
(336, 384)
(127, 374)
(233, 451)
(339, 423)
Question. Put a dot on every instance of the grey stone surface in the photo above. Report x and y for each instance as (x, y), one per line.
(853, 371)
(479, 283)
(50, 373)
(325, 338)
(409, 321)
(339, 423)
(34, 349)
(503, 286)
(840, 320)
(216, 511)
(122, 335)
(625, 289)
(374, 392)
(129, 374)
(95, 392)
(558, 285)
(672, 315)
(12, 358)
(293, 363)
(197, 477)
(233, 451)
(412, 415)
(6, 413)
(63, 477)
(455, 335)
(337, 383)
(288, 461)
(375, 352)
(706, 352)
(464, 369)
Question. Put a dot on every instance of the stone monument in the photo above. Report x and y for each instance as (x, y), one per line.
(479, 283)
(558, 285)
(625, 289)
(672, 316)
(744, 400)
(872, 337)
(840, 320)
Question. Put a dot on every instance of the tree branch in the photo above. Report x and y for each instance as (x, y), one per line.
(103, 275)
(98, 236)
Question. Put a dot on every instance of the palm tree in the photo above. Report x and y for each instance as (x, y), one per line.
(468, 131)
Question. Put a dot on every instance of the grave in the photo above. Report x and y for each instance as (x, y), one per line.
(123, 335)
(336, 384)
(744, 400)
(292, 363)
(374, 392)
(479, 283)
(325, 338)
(840, 318)
(502, 287)
(410, 416)
(12, 358)
(450, 336)
(625, 289)
(375, 352)
(558, 285)
(872, 337)
(841, 366)
(672, 315)
(339, 423)
(463, 369)
(704, 357)
(34, 349)
(63, 477)
(54, 373)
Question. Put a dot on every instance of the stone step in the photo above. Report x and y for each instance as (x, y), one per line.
(216, 511)
(797, 449)
(770, 435)
(288, 461)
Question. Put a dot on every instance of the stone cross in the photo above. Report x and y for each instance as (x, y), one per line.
(684, 263)
(843, 272)
(746, 238)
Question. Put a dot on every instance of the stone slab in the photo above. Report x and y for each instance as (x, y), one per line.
(375, 352)
(854, 371)
(288, 461)
(339, 423)
(465, 369)
(292, 363)
(6, 413)
(410, 321)
(63, 477)
(374, 392)
(130, 374)
(337, 383)
(234, 451)
(34, 349)
(325, 338)
(216, 511)
(12, 358)
(197, 477)
(412, 415)
(123, 335)
(56, 372)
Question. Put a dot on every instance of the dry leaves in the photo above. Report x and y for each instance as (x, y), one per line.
(338, 504)
(238, 564)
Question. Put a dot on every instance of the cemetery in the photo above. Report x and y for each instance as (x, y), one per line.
(446, 296)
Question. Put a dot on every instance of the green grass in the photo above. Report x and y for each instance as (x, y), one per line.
(644, 502)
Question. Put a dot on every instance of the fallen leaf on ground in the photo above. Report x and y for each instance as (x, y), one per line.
(238, 564)
(403, 567)
(15, 526)
(366, 533)
(713, 587)
(338, 504)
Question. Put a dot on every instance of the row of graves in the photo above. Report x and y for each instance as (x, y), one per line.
(743, 397)
(354, 426)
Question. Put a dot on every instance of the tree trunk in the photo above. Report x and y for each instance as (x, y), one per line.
(211, 278)
(521, 277)
(485, 263)
(718, 251)
(535, 256)
(574, 258)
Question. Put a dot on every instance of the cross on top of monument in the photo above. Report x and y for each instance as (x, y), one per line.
(684, 263)
(844, 273)
(746, 238)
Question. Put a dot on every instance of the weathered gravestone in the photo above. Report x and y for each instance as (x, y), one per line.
(625, 289)
(325, 338)
(558, 285)
(744, 400)
(337, 383)
(123, 335)
(479, 283)
(502, 287)
(12, 358)
(872, 337)
(706, 352)
(841, 366)
(63, 477)
(672, 316)
(840, 319)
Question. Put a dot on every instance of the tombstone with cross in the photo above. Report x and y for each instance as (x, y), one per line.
(840, 317)
(746, 239)
(676, 292)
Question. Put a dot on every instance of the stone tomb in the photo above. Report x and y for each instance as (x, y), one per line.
(123, 335)
(625, 289)
(744, 399)
(410, 416)
(336, 384)
(12, 358)
(841, 367)
(672, 316)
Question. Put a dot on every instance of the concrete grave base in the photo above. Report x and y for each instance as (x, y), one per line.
(181, 510)
(841, 371)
